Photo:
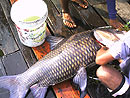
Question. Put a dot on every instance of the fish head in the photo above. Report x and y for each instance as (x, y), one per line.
(106, 37)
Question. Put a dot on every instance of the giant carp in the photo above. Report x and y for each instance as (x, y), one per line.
(68, 59)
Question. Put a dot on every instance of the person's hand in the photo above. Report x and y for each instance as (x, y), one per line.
(102, 50)
(103, 56)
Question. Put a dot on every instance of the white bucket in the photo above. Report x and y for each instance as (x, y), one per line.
(29, 17)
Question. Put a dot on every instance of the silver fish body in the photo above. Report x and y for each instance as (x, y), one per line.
(65, 60)
(60, 64)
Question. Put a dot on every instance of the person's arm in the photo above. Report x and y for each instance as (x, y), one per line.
(103, 56)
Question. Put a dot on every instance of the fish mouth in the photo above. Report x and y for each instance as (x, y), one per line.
(106, 37)
(107, 34)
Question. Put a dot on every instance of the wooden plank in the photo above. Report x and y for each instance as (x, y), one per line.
(123, 9)
(94, 2)
(102, 10)
(66, 90)
(14, 63)
(7, 43)
(26, 51)
(89, 16)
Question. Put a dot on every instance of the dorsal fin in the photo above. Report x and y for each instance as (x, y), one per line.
(53, 40)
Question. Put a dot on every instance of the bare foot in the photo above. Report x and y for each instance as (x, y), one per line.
(67, 20)
(82, 3)
(115, 23)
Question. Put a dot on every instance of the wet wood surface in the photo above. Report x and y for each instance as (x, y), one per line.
(6, 37)
(15, 58)
(123, 9)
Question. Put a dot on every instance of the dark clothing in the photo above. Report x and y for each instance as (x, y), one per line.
(111, 6)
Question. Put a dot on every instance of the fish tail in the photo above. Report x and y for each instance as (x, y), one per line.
(38, 91)
(17, 90)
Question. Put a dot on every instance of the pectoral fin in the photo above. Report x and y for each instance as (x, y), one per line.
(81, 80)
(38, 91)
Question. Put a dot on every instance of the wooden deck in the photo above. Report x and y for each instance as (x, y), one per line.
(15, 58)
